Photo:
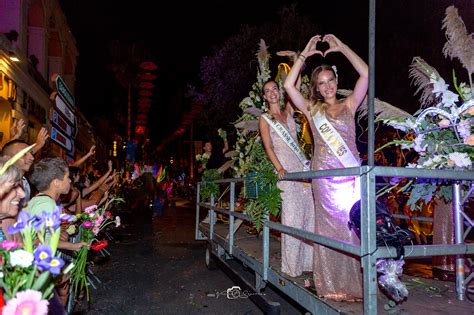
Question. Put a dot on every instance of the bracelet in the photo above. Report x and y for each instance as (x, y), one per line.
(304, 57)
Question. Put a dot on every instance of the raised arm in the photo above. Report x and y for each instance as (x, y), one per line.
(17, 129)
(360, 89)
(99, 182)
(292, 78)
(267, 144)
(85, 157)
(40, 140)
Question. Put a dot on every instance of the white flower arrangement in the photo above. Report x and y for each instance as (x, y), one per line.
(441, 132)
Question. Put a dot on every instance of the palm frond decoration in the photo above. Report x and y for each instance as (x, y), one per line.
(459, 43)
(253, 111)
(263, 57)
(247, 125)
(421, 72)
(381, 109)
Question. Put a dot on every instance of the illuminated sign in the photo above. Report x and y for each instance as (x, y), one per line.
(62, 124)
(60, 138)
(64, 92)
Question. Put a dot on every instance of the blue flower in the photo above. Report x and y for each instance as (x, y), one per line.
(55, 265)
(22, 222)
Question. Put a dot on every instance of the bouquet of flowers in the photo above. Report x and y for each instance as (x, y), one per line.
(203, 158)
(441, 132)
(28, 269)
(91, 223)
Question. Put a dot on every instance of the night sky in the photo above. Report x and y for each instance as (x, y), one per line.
(177, 35)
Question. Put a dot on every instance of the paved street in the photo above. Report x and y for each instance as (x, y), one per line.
(157, 267)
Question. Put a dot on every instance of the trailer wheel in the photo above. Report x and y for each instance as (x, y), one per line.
(211, 263)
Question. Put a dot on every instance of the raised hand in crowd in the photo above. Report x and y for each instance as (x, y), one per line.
(40, 140)
(84, 158)
(17, 129)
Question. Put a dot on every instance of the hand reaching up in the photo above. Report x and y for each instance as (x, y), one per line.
(17, 129)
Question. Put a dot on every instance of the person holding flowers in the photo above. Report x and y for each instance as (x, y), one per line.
(51, 177)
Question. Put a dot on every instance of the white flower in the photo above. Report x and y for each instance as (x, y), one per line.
(464, 129)
(21, 258)
(439, 86)
(71, 229)
(412, 165)
(117, 221)
(449, 98)
(466, 91)
(198, 157)
(406, 146)
(427, 163)
(438, 158)
(460, 159)
(418, 143)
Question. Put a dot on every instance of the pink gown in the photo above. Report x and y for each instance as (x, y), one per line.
(337, 276)
(297, 208)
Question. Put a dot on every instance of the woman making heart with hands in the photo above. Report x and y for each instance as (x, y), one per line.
(337, 276)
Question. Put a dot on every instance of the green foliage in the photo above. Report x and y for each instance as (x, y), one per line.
(268, 200)
(208, 187)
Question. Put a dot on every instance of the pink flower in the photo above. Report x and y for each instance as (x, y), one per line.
(95, 230)
(27, 302)
(444, 123)
(90, 209)
(469, 111)
(8, 244)
(469, 140)
(87, 224)
(99, 220)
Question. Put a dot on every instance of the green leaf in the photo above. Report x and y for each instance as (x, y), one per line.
(41, 281)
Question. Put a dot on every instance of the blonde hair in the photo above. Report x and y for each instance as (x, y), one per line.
(12, 173)
(316, 100)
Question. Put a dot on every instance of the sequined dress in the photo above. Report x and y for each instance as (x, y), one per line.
(297, 207)
(337, 276)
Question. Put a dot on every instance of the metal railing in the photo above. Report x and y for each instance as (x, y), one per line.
(367, 251)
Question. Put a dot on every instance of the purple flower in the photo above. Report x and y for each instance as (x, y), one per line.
(66, 217)
(43, 254)
(22, 221)
(47, 220)
(55, 265)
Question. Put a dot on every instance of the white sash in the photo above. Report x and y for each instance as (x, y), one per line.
(334, 140)
(288, 139)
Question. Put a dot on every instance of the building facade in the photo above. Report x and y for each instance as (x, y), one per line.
(35, 43)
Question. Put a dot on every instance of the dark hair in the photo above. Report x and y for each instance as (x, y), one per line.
(73, 171)
(11, 143)
(283, 100)
(46, 170)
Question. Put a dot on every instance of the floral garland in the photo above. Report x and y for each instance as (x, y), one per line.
(441, 132)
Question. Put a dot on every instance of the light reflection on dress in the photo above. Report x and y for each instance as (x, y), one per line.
(337, 276)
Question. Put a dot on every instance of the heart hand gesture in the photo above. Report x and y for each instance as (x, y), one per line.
(334, 44)
(310, 48)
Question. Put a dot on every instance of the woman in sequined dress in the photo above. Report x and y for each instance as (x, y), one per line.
(297, 209)
(337, 276)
